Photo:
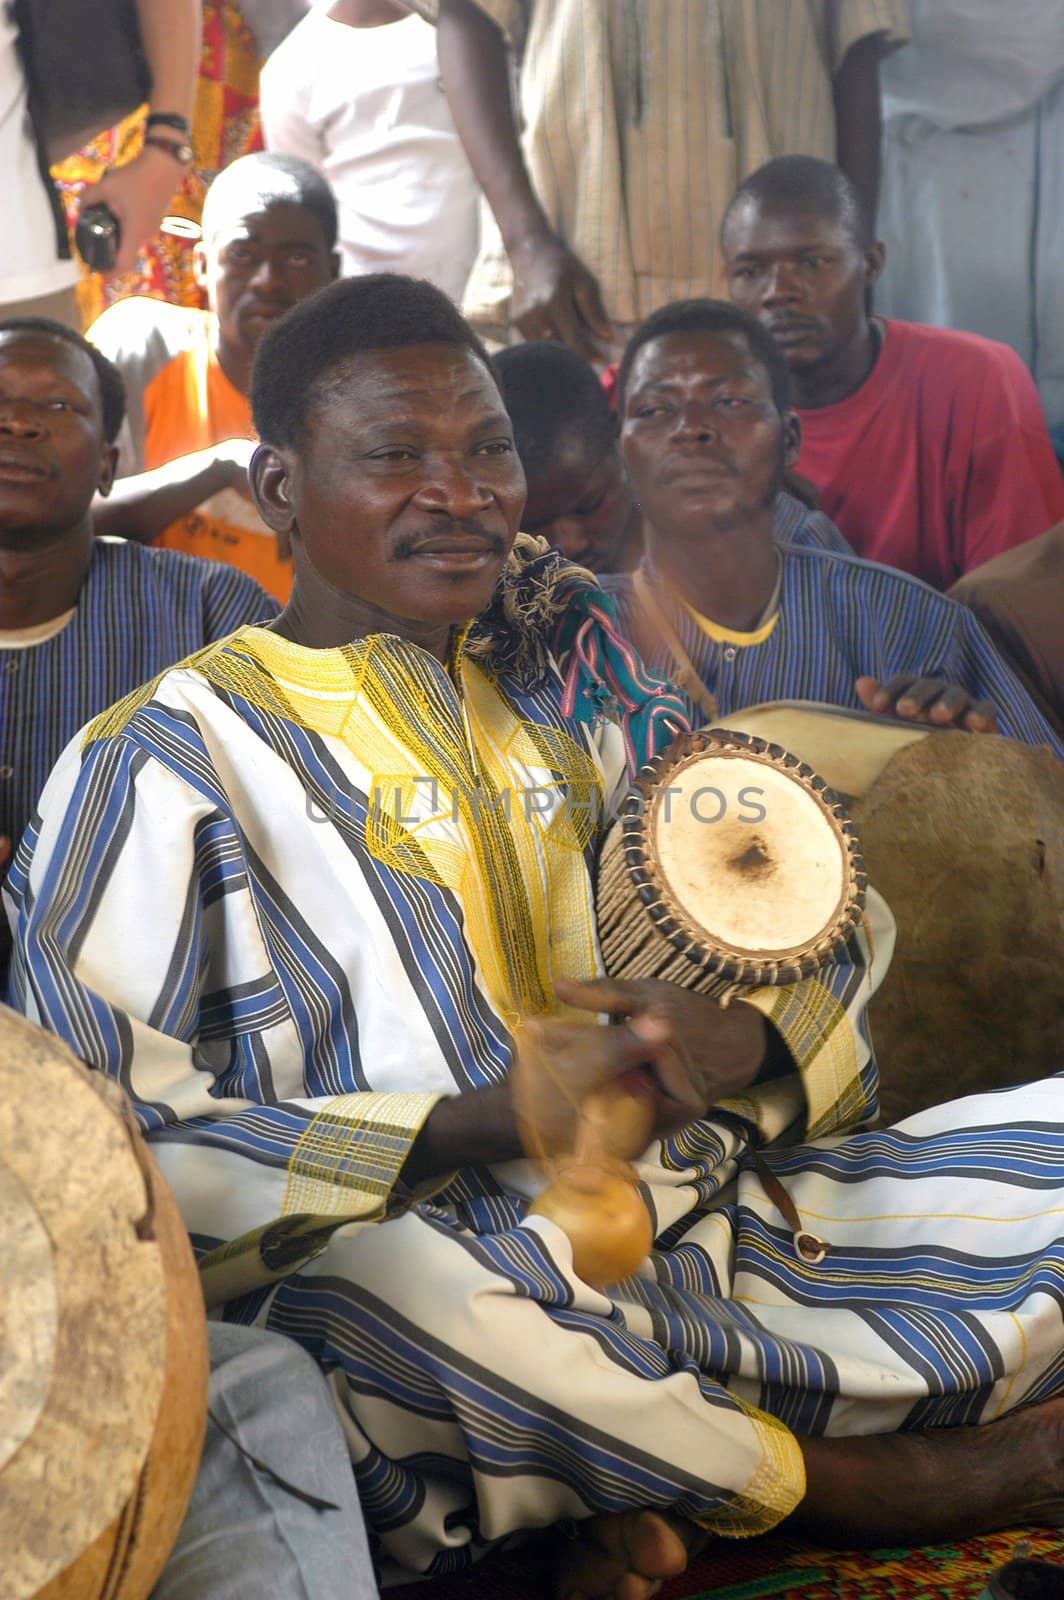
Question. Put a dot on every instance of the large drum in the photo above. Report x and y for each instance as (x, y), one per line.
(103, 1347)
(963, 834)
(732, 864)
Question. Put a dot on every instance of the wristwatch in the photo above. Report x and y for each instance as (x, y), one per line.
(180, 149)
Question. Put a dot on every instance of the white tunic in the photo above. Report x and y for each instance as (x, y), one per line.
(365, 106)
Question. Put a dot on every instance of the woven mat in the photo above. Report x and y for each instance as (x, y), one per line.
(750, 1569)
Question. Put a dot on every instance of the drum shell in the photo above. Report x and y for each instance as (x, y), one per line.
(631, 942)
(963, 834)
(104, 1366)
(125, 1561)
(964, 837)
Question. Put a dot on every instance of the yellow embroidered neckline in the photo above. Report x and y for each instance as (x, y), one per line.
(325, 671)
(731, 635)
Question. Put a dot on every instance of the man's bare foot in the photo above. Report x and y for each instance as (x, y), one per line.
(941, 1483)
(625, 1557)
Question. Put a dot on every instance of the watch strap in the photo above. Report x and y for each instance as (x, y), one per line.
(181, 150)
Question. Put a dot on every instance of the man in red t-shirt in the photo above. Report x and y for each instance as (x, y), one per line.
(928, 447)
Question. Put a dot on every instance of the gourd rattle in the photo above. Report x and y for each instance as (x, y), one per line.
(594, 1193)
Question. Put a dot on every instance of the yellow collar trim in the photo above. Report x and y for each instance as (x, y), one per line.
(449, 788)
(731, 635)
(327, 671)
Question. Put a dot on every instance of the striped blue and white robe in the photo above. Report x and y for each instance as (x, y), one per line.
(840, 618)
(244, 900)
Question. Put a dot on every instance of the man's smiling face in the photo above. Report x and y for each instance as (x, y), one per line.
(53, 455)
(406, 489)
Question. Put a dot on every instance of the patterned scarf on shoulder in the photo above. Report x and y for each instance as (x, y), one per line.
(546, 610)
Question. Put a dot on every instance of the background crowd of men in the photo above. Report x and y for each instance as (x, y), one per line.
(767, 291)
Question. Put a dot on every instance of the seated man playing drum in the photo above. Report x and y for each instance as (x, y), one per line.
(299, 893)
(736, 619)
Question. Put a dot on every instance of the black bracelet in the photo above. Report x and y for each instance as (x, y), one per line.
(167, 119)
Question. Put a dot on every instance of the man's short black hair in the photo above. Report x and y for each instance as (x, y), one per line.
(112, 389)
(553, 396)
(265, 179)
(806, 184)
(709, 316)
(349, 318)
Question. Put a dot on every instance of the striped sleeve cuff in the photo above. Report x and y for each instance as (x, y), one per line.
(349, 1157)
(818, 1032)
(775, 1489)
(822, 1022)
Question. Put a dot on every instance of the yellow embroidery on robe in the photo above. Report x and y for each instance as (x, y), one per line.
(461, 792)
(556, 796)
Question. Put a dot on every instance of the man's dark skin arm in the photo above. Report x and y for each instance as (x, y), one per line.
(142, 506)
(139, 192)
(554, 294)
(858, 116)
(477, 1129)
(686, 1052)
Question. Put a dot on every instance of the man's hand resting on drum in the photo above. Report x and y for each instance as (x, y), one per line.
(677, 1047)
(929, 700)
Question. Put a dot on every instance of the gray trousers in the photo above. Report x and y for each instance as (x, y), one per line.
(244, 1536)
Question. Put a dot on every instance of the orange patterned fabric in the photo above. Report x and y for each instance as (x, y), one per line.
(225, 126)
(774, 1568)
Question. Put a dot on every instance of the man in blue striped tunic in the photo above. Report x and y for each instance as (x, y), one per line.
(733, 616)
(297, 895)
(82, 620)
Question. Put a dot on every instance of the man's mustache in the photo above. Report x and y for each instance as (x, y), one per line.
(449, 528)
(682, 462)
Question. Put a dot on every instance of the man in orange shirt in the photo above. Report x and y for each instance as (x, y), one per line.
(269, 238)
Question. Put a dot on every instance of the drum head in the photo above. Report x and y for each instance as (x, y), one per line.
(744, 857)
(848, 748)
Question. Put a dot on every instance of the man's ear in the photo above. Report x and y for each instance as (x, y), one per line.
(108, 467)
(874, 259)
(792, 438)
(199, 265)
(268, 476)
(335, 263)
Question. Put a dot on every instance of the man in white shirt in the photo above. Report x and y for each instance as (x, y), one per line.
(355, 90)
